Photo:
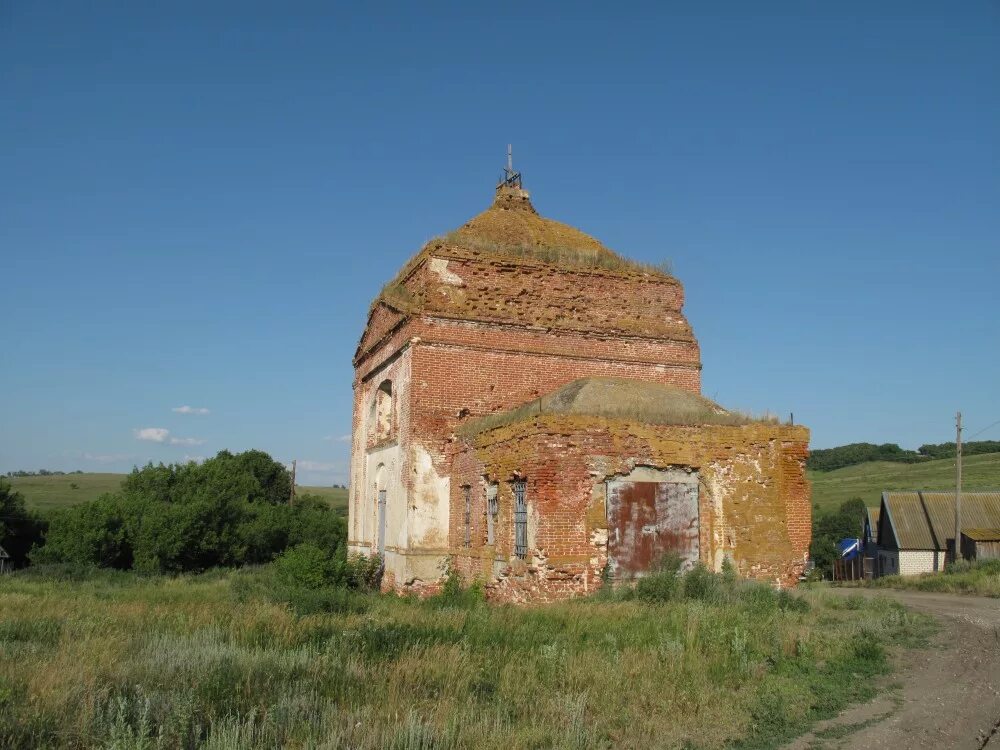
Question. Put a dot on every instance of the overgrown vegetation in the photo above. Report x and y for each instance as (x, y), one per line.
(230, 510)
(562, 256)
(19, 529)
(828, 459)
(619, 398)
(217, 660)
(981, 578)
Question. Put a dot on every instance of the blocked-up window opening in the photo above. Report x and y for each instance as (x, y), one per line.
(383, 411)
(492, 508)
(467, 493)
(520, 520)
(381, 522)
(648, 520)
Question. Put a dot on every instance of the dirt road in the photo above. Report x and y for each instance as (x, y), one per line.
(950, 693)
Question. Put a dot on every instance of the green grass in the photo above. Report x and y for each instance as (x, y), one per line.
(334, 496)
(831, 488)
(978, 579)
(49, 493)
(111, 660)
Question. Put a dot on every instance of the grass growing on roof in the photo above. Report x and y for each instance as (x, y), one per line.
(619, 398)
(219, 661)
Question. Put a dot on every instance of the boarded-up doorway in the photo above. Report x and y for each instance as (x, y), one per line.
(649, 519)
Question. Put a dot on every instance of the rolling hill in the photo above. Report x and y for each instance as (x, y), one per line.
(831, 488)
(50, 492)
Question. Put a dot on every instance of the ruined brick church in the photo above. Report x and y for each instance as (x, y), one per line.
(527, 411)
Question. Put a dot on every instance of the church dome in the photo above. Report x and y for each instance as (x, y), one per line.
(512, 226)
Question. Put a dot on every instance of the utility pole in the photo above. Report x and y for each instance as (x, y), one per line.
(958, 487)
(291, 497)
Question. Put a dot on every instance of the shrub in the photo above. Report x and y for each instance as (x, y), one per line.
(306, 565)
(700, 583)
(454, 593)
(230, 510)
(658, 587)
(958, 566)
(19, 529)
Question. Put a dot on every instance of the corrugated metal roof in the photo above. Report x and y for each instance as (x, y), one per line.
(982, 535)
(909, 520)
(926, 520)
(980, 510)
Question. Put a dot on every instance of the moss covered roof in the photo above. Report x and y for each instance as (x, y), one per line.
(617, 398)
(512, 225)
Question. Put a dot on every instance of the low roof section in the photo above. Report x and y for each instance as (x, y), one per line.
(922, 520)
(618, 398)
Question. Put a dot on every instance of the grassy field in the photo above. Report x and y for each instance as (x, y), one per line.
(978, 578)
(111, 660)
(831, 488)
(335, 496)
(47, 493)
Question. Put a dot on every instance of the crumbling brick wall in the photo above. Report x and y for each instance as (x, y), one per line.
(482, 334)
(753, 503)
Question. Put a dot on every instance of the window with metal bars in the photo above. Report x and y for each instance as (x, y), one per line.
(467, 492)
(520, 519)
(492, 508)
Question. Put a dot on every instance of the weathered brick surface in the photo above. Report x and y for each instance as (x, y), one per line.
(753, 498)
(464, 332)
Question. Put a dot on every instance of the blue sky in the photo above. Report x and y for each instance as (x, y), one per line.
(199, 200)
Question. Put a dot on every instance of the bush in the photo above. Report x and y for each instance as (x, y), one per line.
(306, 565)
(958, 566)
(701, 584)
(19, 529)
(454, 593)
(231, 510)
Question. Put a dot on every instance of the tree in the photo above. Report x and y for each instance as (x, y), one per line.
(19, 529)
(230, 510)
(830, 528)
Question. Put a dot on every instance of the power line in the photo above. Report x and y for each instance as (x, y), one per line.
(982, 430)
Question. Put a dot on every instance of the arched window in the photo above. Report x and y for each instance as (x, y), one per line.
(382, 412)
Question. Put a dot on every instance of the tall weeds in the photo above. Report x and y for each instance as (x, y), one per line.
(219, 660)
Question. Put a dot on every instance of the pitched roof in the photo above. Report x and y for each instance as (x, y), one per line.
(926, 520)
(512, 226)
(3, 554)
(982, 535)
(617, 398)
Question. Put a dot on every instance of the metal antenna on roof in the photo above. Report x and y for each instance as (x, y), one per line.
(511, 178)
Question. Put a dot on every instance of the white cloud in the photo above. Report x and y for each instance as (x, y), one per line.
(151, 434)
(196, 459)
(338, 438)
(106, 458)
(186, 441)
(189, 410)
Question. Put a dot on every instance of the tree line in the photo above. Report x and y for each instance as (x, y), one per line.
(828, 459)
(41, 473)
(230, 510)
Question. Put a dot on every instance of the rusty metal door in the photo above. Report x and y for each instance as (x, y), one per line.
(647, 520)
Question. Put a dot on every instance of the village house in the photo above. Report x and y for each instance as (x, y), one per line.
(916, 530)
(527, 411)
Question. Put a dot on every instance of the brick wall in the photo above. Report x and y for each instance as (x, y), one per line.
(753, 499)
